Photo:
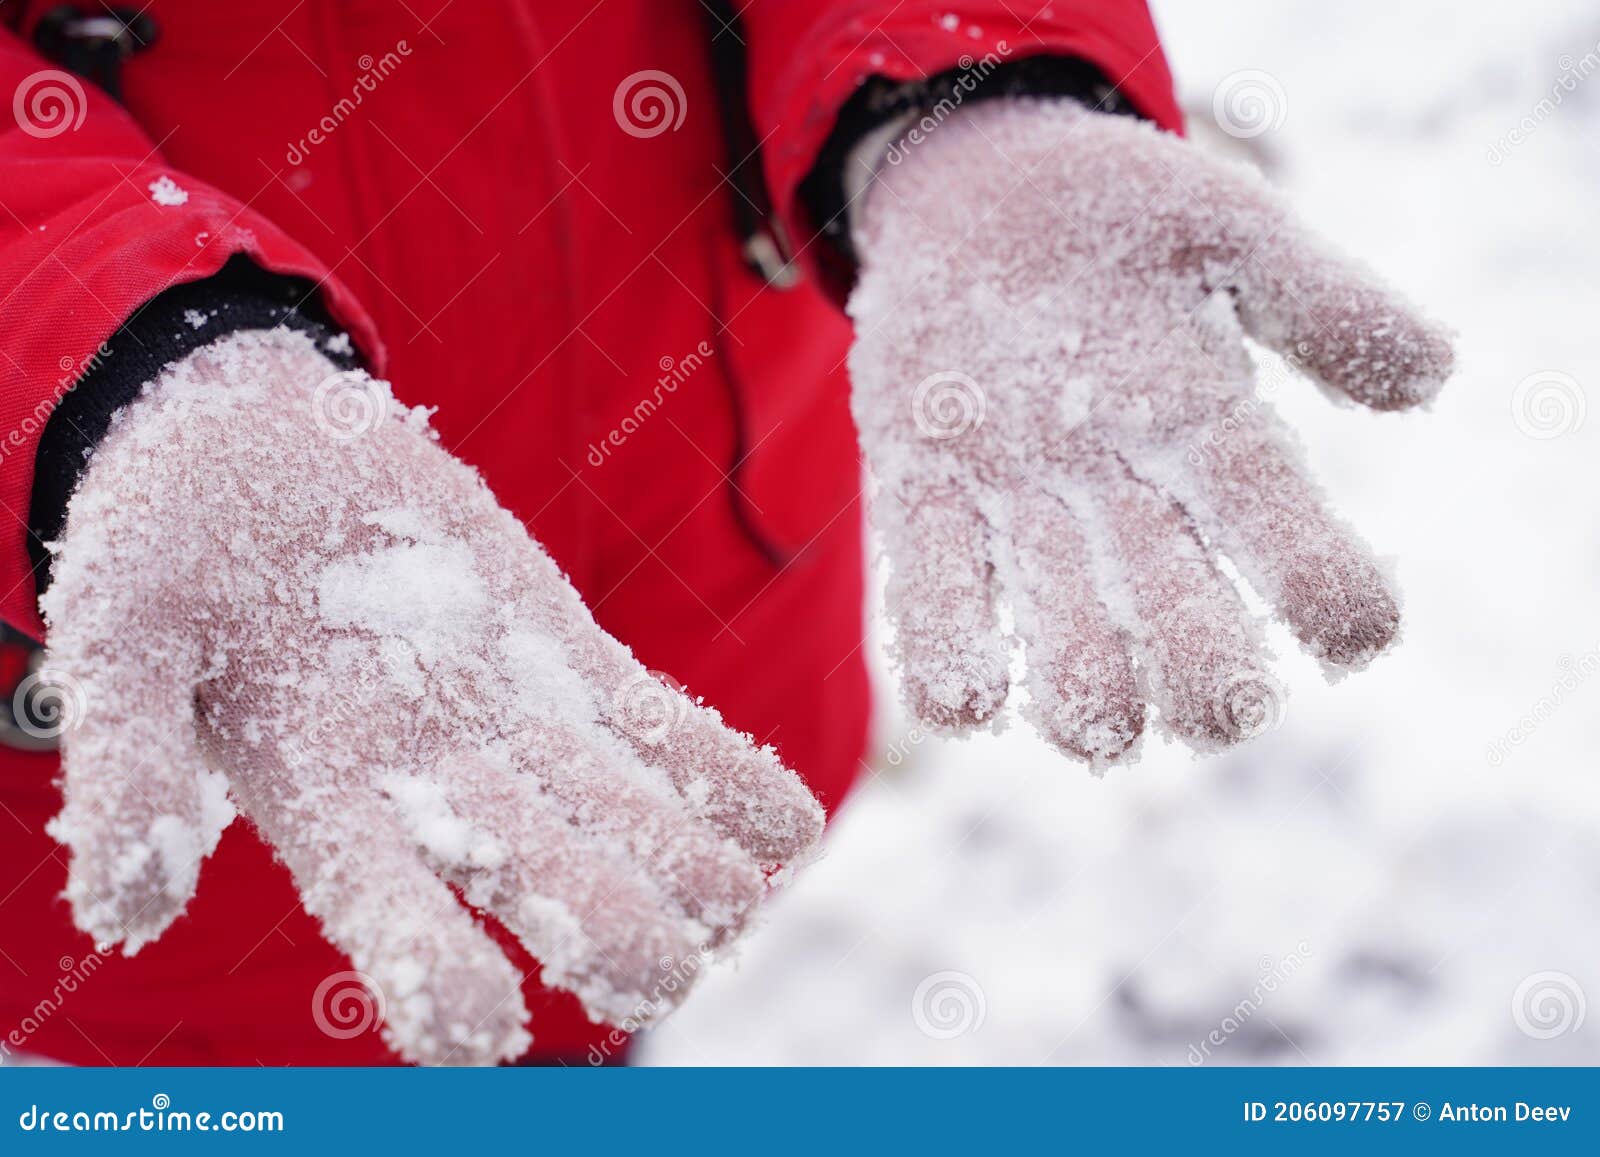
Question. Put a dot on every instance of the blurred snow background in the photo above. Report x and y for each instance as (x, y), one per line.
(1366, 883)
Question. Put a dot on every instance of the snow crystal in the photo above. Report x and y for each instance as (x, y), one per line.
(407, 976)
(402, 522)
(422, 592)
(165, 191)
(438, 829)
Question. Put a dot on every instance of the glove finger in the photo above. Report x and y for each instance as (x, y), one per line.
(1080, 673)
(140, 809)
(742, 790)
(598, 925)
(630, 808)
(1329, 315)
(449, 995)
(1206, 666)
(1249, 494)
(941, 599)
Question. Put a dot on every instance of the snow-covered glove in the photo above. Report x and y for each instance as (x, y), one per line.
(1053, 391)
(277, 592)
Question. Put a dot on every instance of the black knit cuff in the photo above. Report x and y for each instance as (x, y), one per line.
(165, 329)
(881, 100)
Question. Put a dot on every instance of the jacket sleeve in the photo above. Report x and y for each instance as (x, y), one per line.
(93, 225)
(807, 58)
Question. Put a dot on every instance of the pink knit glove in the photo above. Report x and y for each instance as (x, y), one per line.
(1053, 392)
(277, 593)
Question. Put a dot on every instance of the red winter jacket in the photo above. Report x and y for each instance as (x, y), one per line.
(509, 238)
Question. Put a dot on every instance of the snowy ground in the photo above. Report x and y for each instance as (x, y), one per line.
(1367, 883)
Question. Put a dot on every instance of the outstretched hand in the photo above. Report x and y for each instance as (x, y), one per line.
(1052, 388)
(276, 592)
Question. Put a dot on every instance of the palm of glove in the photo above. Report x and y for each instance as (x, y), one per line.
(288, 590)
(1052, 389)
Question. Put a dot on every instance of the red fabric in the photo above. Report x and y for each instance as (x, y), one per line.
(535, 272)
(807, 58)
